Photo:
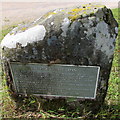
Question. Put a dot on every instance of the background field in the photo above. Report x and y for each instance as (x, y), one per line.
(110, 109)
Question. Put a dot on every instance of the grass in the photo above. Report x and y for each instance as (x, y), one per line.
(5, 30)
(114, 82)
(110, 110)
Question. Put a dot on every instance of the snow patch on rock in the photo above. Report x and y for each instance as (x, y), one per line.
(31, 35)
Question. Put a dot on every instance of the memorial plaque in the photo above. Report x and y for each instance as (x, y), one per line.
(57, 80)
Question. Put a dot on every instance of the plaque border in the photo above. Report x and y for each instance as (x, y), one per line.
(56, 96)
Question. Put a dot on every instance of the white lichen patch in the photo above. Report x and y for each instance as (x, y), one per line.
(65, 25)
(52, 23)
(90, 28)
(55, 11)
(116, 30)
(58, 10)
(103, 40)
(31, 35)
(90, 31)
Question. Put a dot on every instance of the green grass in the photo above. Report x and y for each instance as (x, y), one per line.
(110, 109)
(114, 82)
(5, 30)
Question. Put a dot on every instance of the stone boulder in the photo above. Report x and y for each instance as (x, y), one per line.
(82, 35)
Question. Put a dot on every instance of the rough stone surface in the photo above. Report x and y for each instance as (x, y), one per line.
(83, 35)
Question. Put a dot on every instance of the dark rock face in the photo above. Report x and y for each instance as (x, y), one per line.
(83, 35)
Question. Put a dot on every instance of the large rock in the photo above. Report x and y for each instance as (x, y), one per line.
(83, 35)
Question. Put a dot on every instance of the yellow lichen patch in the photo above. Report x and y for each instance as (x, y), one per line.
(49, 13)
(78, 9)
(63, 10)
(88, 7)
(74, 17)
(85, 12)
(23, 29)
(75, 13)
(72, 13)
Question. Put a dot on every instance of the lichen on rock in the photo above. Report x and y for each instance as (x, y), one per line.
(82, 35)
(65, 25)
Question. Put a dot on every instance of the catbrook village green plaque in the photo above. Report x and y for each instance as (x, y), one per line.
(56, 80)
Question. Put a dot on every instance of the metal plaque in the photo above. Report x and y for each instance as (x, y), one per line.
(57, 80)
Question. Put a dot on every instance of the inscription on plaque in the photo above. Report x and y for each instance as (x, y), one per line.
(55, 80)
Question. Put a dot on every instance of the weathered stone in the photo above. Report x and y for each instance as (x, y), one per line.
(83, 35)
